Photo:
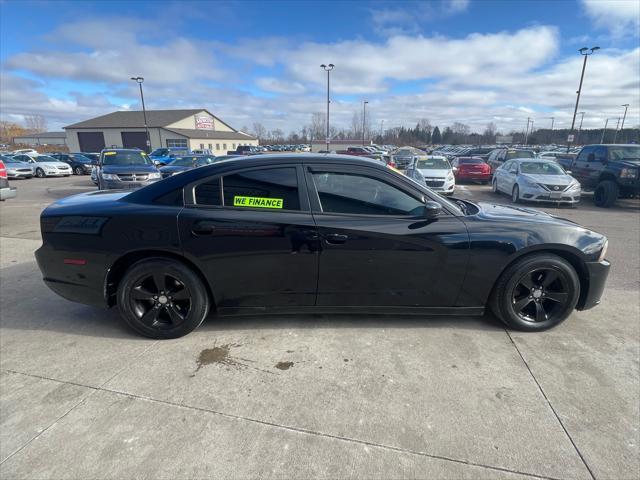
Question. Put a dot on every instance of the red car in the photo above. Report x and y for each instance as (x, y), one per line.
(471, 168)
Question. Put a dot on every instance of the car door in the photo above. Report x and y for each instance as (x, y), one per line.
(252, 232)
(580, 167)
(500, 175)
(595, 164)
(376, 247)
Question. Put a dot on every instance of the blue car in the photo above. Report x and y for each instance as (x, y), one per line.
(164, 156)
(187, 162)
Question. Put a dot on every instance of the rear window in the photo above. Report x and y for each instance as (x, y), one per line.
(470, 161)
(271, 188)
(519, 154)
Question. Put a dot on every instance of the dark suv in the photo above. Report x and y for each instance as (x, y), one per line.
(120, 168)
(610, 171)
(80, 164)
(501, 155)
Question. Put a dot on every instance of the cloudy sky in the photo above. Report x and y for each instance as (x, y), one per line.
(472, 61)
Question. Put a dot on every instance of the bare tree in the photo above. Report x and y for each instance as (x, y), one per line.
(318, 126)
(259, 131)
(35, 123)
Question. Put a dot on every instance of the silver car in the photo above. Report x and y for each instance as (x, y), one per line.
(535, 180)
(17, 168)
(46, 166)
(433, 171)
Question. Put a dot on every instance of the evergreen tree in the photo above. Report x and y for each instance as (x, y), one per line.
(436, 138)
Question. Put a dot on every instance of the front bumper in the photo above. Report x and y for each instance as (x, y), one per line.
(122, 185)
(57, 173)
(8, 192)
(16, 174)
(540, 195)
(597, 273)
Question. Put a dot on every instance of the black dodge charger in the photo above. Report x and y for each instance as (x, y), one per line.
(313, 233)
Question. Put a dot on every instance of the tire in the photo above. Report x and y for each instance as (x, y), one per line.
(515, 194)
(147, 310)
(606, 194)
(494, 186)
(78, 171)
(533, 309)
(40, 173)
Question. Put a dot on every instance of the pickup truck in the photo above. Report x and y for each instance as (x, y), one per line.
(610, 171)
(245, 150)
(360, 152)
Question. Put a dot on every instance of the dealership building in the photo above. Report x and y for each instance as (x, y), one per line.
(42, 138)
(193, 129)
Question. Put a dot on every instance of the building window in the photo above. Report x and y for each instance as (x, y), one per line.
(217, 146)
(224, 146)
(210, 146)
(202, 146)
(177, 142)
(233, 146)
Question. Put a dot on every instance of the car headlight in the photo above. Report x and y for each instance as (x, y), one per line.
(109, 176)
(528, 183)
(574, 186)
(629, 173)
(155, 175)
(604, 250)
(450, 176)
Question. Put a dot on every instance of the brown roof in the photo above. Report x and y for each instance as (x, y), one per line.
(211, 134)
(135, 119)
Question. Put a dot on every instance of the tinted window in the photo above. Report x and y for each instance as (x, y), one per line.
(208, 193)
(358, 194)
(273, 188)
(471, 160)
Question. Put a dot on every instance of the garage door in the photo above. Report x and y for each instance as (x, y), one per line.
(91, 142)
(134, 140)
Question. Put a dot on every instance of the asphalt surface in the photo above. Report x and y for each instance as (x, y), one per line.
(316, 396)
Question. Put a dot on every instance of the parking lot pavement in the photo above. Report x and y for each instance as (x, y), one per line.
(315, 396)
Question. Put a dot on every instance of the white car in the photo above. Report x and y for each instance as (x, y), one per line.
(536, 180)
(433, 171)
(46, 166)
(25, 151)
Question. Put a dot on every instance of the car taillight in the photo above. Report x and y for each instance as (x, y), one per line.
(3, 170)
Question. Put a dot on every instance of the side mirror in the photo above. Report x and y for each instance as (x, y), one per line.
(591, 157)
(568, 172)
(431, 210)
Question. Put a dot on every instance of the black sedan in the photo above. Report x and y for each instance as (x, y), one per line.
(308, 232)
(184, 163)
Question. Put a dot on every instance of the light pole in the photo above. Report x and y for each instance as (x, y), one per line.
(626, 105)
(605, 129)
(585, 52)
(615, 135)
(580, 127)
(144, 111)
(552, 120)
(328, 69)
(526, 137)
(364, 117)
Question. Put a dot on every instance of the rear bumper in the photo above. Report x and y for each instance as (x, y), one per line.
(483, 177)
(597, 273)
(8, 192)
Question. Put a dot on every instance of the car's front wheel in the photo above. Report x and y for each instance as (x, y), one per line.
(78, 171)
(536, 292)
(162, 298)
(40, 173)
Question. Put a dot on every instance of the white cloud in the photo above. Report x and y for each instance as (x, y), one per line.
(620, 17)
(456, 6)
(407, 18)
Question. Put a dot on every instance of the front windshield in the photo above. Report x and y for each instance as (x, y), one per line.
(182, 161)
(519, 154)
(433, 163)
(45, 158)
(626, 153)
(541, 168)
(125, 158)
(404, 153)
(81, 158)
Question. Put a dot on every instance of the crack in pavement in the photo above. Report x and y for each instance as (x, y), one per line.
(269, 424)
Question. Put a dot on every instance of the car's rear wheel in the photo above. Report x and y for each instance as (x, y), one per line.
(515, 194)
(536, 292)
(162, 298)
(40, 173)
(78, 171)
(606, 194)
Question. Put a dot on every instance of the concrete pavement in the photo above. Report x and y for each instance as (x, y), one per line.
(316, 396)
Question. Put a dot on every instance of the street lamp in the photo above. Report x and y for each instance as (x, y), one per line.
(139, 80)
(605, 128)
(580, 127)
(328, 69)
(526, 136)
(585, 52)
(626, 105)
(364, 116)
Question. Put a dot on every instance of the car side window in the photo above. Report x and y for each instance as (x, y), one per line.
(357, 194)
(600, 154)
(584, 153)
(208, 193)
(506, 166)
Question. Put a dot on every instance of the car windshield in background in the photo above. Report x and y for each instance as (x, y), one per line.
(541, 168)
(519, 154)
(45, 158)
(624, 153)
(432, 163)
(81, 158)
(404, 153)
(126, 158)
(470, 160)
(183, 161)
(160, 152)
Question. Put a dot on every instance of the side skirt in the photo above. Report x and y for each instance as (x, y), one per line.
(349, 310)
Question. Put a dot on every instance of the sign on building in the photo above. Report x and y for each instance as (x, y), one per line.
(570, 138)
(204, 122)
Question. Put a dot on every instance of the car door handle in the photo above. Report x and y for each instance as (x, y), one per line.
(335, 238)
(203, 227)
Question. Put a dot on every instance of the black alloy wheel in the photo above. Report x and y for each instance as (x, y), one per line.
(536, 292)
(540, 295)
(162, 298)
